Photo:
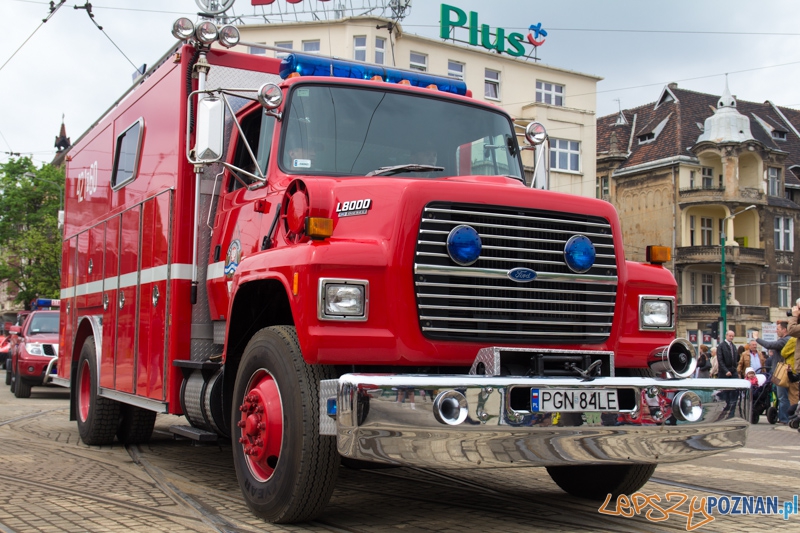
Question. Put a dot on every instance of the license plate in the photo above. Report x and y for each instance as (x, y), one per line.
(573, 400)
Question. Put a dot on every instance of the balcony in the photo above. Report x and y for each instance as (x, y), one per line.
(734, 255)
(710, 312)
(698, 195)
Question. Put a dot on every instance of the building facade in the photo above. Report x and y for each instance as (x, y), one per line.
(696, 171)
(563, 100)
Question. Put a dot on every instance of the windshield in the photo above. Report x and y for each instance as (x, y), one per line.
(351, 131)
(44, 323)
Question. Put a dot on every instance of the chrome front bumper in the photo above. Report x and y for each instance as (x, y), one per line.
(397, 419)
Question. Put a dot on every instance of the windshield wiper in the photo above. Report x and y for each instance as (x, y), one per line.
(399, 169)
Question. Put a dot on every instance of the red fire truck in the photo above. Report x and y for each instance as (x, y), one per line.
(318, 259)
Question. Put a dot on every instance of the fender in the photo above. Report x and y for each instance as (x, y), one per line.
(95, 322)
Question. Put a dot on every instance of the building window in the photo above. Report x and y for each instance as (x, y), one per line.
(565, 155)
(283, 44)
(774, 180)
(256, 51)
(784, 230)
(691, 179)
(707, 289)
(692, 239)
(602, 187)
(779, 135)
(419, 61)
(360, 48)
(706, 231)
(311, 46)
(380, 50)
(455, 69)
(549, 93)
(491, 84)
(708, 177)
(126, 155)
(784, 290)
(692, 288)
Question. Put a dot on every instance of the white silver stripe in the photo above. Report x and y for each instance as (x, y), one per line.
(180, 271)
(216, 270)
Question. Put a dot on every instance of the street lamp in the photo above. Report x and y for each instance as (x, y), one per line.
(723, 305)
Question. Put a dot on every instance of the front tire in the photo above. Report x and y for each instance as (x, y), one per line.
(286, 470)
(22, 387)
(98, 418)
(8, 372)
(595, 482)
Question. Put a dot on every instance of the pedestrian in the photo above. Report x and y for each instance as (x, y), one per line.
(703, 363)
(777, 348)
(753, 358)
(750, 375)
(793, 329)
(727, 359)
(714, 364)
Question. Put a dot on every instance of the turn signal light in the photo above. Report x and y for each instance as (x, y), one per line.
(319, 228)
(659, 254)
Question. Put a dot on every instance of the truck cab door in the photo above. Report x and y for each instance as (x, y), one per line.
(241, 212)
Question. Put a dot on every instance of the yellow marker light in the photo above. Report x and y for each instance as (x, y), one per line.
(658, 254)
(403, 82)
(376, 78)
(293, 75)
(319, 228)
(295, 284)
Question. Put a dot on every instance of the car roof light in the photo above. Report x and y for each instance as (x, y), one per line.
(308, 65)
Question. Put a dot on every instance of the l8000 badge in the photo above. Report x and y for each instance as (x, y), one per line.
(353, 207)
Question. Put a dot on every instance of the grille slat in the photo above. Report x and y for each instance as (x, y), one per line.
(480, 303)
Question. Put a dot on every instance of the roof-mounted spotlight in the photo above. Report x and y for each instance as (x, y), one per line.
(229, 36)
(182, 29)
(206, 32)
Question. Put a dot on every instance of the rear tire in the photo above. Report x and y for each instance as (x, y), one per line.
(136, 426)
(754, 417)
(286, 470)
(98, 418)
(8, 373)
(595, 482)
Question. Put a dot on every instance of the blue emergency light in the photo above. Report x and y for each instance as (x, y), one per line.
(308, 65)
(41, 303)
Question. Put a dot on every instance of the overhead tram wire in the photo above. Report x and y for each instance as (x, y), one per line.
(88, 7)
(53, 9)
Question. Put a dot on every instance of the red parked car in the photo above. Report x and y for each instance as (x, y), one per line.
(5, 350)
(34, 360)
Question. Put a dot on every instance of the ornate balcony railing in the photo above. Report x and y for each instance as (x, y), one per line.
(713, 254)
(710, 312)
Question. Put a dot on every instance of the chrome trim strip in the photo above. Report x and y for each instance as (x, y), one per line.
(516, 288)
(521, 333)
(137, 401)
(494, 273)
(374, 424)
(471, 320)
(511, 238)
(528, 300)
(61, 382)
(518, 260)
(500, 309)
(517, 217)
(517, 228)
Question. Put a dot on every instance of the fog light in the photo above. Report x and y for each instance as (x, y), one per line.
(687, 406)
(450, 407)
(182, 29)
(229, 36)
(206, 32)
(30, 369)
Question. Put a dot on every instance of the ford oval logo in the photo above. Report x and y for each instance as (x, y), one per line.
(521, 275)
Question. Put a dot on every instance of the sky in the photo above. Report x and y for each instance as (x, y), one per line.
(70, 68)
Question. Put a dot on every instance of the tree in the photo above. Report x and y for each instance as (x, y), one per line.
(30, 239)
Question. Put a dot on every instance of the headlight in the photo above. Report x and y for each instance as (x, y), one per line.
(656, 312)
(34, 348)
(343, 299)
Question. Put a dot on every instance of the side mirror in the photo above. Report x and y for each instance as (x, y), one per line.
(14, 330)
(210, 127)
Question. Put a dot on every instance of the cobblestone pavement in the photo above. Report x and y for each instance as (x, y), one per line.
(50, 481)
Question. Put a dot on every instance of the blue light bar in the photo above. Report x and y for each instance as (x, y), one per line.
(40, 303)
(308, 65)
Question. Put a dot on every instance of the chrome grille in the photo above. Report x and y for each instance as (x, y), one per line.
(480, 302)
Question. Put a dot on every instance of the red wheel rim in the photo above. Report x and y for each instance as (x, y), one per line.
(261, 425)
(84, 391)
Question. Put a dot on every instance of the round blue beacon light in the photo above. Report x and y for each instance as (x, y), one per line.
(464, 245)
(579, 253)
